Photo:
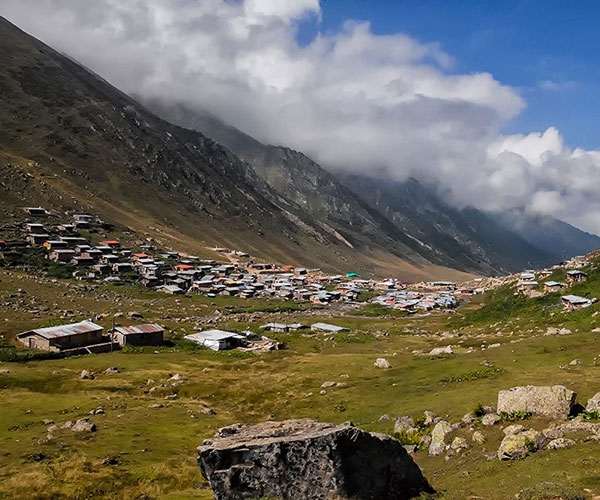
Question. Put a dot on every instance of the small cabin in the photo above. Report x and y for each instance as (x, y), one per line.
(147, 334)
(58, 338)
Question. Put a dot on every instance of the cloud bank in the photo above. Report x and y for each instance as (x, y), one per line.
(353, 100)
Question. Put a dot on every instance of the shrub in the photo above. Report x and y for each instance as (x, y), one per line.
(591, 415)
(515, 415)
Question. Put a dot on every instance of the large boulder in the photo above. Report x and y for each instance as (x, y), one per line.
(437, 446)
(521, 444)
(308, 460)
(552, 402)
(593, 403)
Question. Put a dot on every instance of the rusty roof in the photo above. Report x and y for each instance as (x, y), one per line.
(140, 329)
(53, 332)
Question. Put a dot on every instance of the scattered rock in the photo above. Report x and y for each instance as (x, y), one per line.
(83, 425)
(458, 444)
(559, 443)
(430, 418)
(327, 384)
(404, 424)
(283, 459)
(156, 405)
(97, 411)
(557, 331)
(438, 351)
(575, 362)
(87, 375)
(112, 370)
(478, 437)
(594, 402)
(438, 436)
(384, 418)
(171, 397)
(552, 402)
(515, 446)
(513, 429)
(136, 315)
(382, 363)
(207, 411)
(469, 418)
(490, 419)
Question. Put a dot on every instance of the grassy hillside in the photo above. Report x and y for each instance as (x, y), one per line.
(143, 451)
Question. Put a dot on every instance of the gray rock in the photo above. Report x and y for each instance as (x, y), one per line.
(594, 402)
(112, 370)
(308, 460)
(490, 419)
(559, 443)
(382, 363)
(325, 385)
(83, 425)
(429, 418)
(575, 362)
(552, 402)
(438, 351)
(469, 418)
(513, 429)
(515, 446)
(459, 443)
(384, 418)
(438, 437)
(87, 375)
(478, 437)
(404, 424)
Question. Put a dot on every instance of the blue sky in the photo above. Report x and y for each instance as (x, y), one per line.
(547, 50)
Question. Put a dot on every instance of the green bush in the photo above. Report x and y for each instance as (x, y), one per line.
(591, 415)
(514, 416)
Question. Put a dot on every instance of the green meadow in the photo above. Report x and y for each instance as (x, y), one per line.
(149, 426)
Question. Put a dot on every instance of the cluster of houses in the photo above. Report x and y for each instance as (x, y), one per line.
(412, 301)
(529, 282)
(86, 337)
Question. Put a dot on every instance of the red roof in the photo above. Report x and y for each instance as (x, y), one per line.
(140, 255)
(184, 267)
(110, 242)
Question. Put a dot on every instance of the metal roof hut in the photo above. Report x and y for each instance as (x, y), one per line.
(217, 340)
(58, 338)
(146, 334)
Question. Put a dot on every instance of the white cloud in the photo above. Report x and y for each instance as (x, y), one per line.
(351, 99)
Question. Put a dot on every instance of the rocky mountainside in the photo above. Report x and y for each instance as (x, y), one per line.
(71, 141)
(559, 239)
(391, 213)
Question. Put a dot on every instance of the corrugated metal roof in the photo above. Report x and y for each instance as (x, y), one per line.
(140, 329)
(213, 335)
(53, 332)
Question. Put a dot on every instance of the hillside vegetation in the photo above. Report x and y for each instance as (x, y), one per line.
(144, 445)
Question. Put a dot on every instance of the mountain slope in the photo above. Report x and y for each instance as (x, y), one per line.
(391, 214)
(559, 239)
(71, 142)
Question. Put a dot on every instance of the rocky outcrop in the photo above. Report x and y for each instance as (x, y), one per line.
(593, 403)
(552, 402)
(438, 438)
(308, 460)
(520, 445)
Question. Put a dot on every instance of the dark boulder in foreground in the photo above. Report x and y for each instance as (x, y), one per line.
(308, 460)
